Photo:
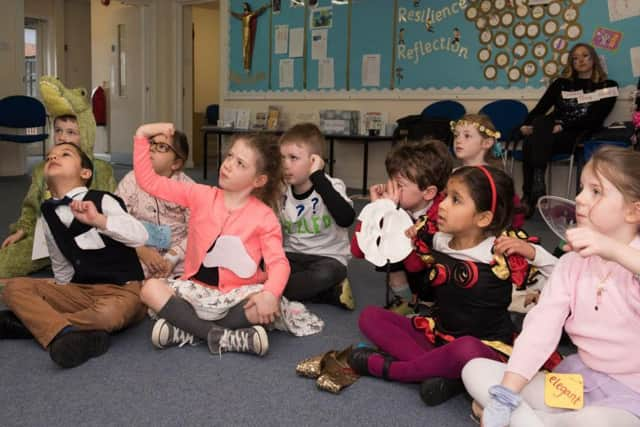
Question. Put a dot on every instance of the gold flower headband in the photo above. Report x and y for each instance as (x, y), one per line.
(481, 128)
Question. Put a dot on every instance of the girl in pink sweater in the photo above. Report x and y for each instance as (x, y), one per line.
(594, 294)
(224, 297)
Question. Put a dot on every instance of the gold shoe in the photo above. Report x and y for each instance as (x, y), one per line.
(336, 372)
(310, 367)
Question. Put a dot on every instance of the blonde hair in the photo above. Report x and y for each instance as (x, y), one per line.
(620, 167)
(597, 75)
(486, 129)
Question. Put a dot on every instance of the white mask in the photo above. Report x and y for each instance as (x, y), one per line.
(381, 237)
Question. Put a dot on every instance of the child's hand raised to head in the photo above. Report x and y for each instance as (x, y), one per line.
(317, 164)
(391, 190)
(151, 129)
(586, 242)
(376, 191)
(86, 213)
(512, 245)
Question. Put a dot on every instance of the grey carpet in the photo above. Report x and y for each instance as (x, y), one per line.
(135, 384)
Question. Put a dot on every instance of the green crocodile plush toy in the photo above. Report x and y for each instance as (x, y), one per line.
(15, 259)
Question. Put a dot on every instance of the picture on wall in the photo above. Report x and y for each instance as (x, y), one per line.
(321, 17)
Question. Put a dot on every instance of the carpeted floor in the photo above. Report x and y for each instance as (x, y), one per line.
(135, 384)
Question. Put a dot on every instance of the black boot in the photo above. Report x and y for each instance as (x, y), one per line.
(437, 390)
(11, 327)
(538, 189)
(76, 347)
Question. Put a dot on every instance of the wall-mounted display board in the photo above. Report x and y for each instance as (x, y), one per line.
(381, 45)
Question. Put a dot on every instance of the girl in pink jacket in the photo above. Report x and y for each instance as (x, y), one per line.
(224, 297)
(594, 294)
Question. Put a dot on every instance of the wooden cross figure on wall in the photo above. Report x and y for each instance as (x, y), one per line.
(249, 21)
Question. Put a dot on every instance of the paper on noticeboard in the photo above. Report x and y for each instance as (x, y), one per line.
(296, 42)
(371, 70)
(286, 73)
(319, 44)
(635, 60)
(325, 74)
(282, 40)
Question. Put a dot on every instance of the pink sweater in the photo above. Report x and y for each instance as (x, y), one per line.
(255, 224)
(607, 338)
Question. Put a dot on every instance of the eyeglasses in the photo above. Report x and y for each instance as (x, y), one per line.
(163, 147)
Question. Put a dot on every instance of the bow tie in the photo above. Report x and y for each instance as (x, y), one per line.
(65, 201)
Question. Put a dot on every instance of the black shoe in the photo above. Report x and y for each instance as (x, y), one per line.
(76, 347)
(11, 327)
(437, 390)
(359, 361)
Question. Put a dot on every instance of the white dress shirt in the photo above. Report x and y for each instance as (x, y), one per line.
(120, 226)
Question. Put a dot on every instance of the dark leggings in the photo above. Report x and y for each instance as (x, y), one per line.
(416, 357)
(311, 275)
(182, 315)
(542, 145)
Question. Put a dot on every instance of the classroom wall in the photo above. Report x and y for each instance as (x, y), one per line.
(11, 75)
(349, 156)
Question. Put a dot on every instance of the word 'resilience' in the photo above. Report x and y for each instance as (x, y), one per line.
(430, 15)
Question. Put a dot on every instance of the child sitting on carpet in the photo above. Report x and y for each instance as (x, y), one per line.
(163, 255)
(472, 292)
(594, 295)
(223, 297)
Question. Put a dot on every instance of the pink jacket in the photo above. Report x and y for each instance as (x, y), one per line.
(145, 207)
(255, 224)
(607, 338)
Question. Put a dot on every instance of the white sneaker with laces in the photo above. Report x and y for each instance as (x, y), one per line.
(164, 335)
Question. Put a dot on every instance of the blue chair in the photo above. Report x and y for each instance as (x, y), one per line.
(451, 110)
(507, 115)
(213, 114)
(24, 120)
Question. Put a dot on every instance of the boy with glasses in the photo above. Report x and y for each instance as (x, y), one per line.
(163, 254)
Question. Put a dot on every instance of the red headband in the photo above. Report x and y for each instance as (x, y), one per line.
(494, 196)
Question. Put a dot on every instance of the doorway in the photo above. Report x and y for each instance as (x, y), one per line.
(201, 68)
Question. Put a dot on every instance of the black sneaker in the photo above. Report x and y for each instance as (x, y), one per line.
(437, 390)
(76, 347)
(11, 327)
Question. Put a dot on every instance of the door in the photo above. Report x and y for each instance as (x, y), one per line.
(127, 95)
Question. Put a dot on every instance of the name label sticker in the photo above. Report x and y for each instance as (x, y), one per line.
(564, 391)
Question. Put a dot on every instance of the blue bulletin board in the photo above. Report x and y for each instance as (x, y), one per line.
(434, 44)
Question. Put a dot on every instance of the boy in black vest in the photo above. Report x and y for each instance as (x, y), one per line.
(91, 240)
